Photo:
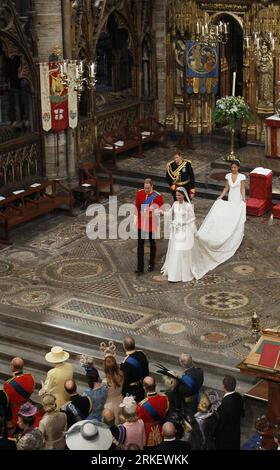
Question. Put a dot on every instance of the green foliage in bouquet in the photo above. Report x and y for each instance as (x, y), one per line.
(232, 110)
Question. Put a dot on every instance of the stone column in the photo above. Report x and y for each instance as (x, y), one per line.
(160, 27)
(48, 24)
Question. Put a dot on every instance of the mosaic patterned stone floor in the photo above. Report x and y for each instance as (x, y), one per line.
(53, 267)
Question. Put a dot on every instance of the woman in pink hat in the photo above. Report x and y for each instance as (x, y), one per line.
(30, 438)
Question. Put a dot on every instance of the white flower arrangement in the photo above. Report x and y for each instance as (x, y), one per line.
(232, 109)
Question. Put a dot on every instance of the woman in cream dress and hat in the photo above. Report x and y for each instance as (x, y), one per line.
(56, 377)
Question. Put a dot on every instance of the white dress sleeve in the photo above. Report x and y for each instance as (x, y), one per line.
(227, 177)
(190, 214)
(242, 177)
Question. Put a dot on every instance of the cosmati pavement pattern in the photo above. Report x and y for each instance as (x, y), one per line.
(54, 269)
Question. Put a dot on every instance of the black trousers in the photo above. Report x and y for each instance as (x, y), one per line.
(140, 250)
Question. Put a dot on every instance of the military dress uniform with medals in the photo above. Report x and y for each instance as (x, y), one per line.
(153, 410)
(135, 368)
(181, 176)
(18, 390)
(187, 390)
(147, 224)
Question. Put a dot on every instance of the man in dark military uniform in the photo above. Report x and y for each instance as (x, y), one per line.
(135, 368)
(179, 173)
(189, 385)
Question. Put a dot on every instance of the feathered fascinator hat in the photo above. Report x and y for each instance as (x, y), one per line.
(87, 362)
(108, 349)
(129, 404)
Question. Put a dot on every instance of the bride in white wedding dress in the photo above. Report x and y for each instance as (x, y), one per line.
(178, 261)
(191, 254)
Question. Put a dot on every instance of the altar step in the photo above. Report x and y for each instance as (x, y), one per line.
(24, 333)
(204, 189)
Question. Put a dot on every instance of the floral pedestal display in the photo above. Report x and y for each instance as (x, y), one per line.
(232, 111)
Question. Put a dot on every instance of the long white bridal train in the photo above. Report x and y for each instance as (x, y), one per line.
(219, 236)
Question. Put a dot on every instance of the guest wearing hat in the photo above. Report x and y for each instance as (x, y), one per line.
(56, 377)
(89, 435)
(114, 379)
(135, 429)
(30, 438)
(53, 424)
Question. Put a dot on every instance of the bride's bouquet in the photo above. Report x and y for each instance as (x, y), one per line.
(232, 109)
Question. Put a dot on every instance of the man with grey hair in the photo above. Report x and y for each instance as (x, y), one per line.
(189, 385)
(170, 442)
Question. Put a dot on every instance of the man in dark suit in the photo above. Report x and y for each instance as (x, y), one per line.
(170, 442)
(135, 368)
(230, 412)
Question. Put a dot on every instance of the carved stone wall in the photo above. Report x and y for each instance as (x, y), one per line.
(20, 162)
(21, 158)
(181, 22)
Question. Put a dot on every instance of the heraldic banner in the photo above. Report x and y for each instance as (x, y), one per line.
(202, 68)
(72, 96)
(58, 99)
(45, 97)
(59, 103)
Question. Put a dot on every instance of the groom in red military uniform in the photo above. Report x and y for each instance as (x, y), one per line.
(19, 388)
(147, 202)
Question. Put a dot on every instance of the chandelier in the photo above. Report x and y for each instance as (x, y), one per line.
(211, 34)
(85, 75)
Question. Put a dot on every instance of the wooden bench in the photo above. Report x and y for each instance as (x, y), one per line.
(150, 130)
(37, 200)
(120, 141)
(96, 177)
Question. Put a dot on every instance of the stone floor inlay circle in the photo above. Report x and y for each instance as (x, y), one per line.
(214, 337)
(5, 268)
(172, 328)
(33, 297)
(244, 269)
(224, 300)
(74, 270)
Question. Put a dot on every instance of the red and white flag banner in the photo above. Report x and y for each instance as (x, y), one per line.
(58, 98)
(45, 97)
